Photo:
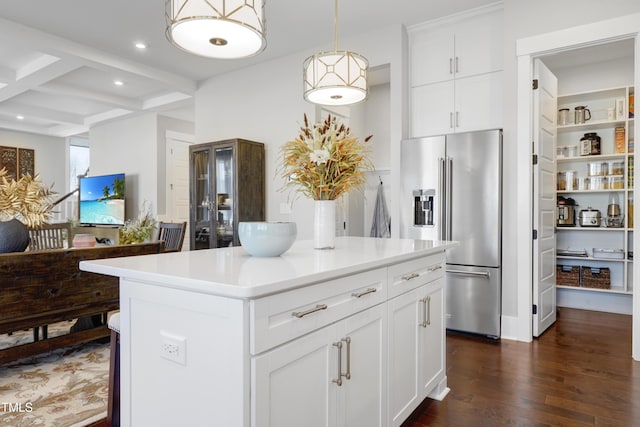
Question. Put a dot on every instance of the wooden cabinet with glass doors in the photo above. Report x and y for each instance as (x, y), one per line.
(598, 181)
(227, 185)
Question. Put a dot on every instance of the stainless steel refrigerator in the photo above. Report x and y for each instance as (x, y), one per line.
(452, 190)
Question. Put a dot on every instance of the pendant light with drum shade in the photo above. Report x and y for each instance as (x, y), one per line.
(335, 78)
(225, 29)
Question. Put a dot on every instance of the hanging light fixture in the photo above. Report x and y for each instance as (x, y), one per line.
(217, 28)
(335, 78)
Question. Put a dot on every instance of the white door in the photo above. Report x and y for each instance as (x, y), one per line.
(545, 107)
(362, 396)
(431, 334)
(177, 191)
(404, 359)
(292, 384)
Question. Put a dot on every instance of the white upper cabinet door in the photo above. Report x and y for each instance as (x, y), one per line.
(432, 109)
(478, 102)
(479, 46)
(432, 55)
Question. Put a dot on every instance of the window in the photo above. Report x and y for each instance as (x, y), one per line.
(78, 160)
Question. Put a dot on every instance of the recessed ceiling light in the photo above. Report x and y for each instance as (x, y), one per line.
(118, 82)
(19, 117)
(140, 45)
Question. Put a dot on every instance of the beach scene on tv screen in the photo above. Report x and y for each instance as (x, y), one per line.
(102, 200)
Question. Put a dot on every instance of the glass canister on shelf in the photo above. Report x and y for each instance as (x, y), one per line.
(590, 144)
(616, 167)
(563, 116)
(566, 180)
(597, 168)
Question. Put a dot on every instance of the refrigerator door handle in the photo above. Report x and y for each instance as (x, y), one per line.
(448, 184)
(470, 273)
(442, 196)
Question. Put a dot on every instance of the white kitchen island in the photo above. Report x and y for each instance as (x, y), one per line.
(352, 336)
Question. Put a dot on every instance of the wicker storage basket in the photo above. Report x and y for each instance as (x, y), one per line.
(593, 277)
(568, 275)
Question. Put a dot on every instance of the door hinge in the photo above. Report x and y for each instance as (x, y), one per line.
(535, 159)
(535, 234)
(535, 309)
(535, 84)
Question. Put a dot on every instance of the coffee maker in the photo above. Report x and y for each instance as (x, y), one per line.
(566, 212)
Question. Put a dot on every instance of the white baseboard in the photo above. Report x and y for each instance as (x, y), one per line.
(509, 328)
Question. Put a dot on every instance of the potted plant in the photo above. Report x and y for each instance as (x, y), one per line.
(23, 202)
(323, 163)
(140, 229)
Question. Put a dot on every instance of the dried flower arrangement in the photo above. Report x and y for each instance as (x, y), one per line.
(26, 200)
(325, 161)
(140, 229)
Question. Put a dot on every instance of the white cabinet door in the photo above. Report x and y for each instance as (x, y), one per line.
(297, 384)
(479, 46)
(431, 336)
(404, 359)
(291, 385)
(416, 348)
(432, 53)
(432, 109)
(478, 102)
(362, 396)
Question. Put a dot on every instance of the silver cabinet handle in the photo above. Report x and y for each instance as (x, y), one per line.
(428, 310)
(424, 312)
(457, 119)
(363, 293)
(457, 65)
(450, 65)
(435, 267)
(300, 314)
(470, 273)
(410, 276)
(347, 374)
(339, 346)
(451, 119)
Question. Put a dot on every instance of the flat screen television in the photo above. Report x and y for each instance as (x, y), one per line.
(102, 200)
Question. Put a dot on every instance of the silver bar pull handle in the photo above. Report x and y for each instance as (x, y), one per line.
(457, 118)
(448, 184)
(300, 314)
(457, 65)
(442, 210)
(470, 273)
(428, 310)
(451, 119)
(410, 276)
(347, 374)
(450, 65)
(423, 301)
(339, 346)
(363, 293)
(435, 268)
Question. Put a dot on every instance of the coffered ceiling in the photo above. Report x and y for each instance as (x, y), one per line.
(59, 59)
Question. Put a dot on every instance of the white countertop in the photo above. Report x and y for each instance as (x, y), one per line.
(232, 272)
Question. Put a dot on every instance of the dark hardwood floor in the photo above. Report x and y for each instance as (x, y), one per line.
(579, 373)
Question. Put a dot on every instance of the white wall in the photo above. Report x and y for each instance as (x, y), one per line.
(129, 146)
(50, 156)
(264, 103)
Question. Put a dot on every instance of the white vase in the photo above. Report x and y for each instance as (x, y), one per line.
(324, 224)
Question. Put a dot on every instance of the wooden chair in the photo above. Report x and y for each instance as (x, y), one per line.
(50, 236)
(173, 235)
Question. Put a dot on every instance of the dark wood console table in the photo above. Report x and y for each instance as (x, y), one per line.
(39, 288)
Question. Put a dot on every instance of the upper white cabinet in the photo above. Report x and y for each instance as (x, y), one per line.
(456, 74)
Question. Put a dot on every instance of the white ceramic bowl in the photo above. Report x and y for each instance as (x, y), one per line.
(265, 239)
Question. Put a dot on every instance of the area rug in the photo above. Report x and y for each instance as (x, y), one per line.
(63, 388)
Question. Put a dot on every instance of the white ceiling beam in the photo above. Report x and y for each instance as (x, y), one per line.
(164, 100)
(95, 58)
(64, 131)
(23, 127)
(104, 98)
(37, 78)
(40, 63)
(107, 115)
(7, 75)
(46, 114)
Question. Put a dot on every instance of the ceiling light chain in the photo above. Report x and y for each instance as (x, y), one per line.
(335, 78)
(217, 28)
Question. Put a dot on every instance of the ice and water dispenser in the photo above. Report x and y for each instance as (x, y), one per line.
(423, 207)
